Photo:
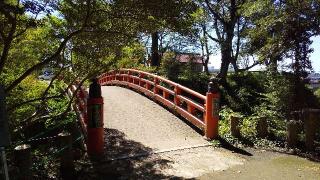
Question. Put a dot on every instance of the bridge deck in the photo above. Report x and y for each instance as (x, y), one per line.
(170, 149)
(146, 122)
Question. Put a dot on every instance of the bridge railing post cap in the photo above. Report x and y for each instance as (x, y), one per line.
(94, 80)
(213, 85)
(94, 88)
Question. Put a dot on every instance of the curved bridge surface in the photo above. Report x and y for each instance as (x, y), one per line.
(145, 121)
(201, 111)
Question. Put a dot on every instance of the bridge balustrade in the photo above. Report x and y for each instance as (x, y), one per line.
(200, 110)
(80, 105)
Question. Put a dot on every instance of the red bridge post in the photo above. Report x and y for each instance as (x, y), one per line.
(212, 111)
(177, 92)
(95, 121)
(156, 83)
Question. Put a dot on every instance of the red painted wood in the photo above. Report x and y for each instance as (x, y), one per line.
(151, 84)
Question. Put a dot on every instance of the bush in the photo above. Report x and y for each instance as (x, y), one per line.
(170, 67)
(243, 91)
(131, 56)
(225, 118)
(261, 94)
(317, 94)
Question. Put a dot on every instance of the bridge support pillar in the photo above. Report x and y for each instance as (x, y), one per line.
(95, 144)
(212, 112)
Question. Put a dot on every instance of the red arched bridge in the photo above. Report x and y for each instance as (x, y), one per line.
(199, 110)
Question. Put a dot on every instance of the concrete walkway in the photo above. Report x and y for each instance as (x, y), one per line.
(138, 127)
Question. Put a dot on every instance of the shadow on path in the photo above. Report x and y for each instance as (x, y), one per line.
(225, 144)
(126, 159)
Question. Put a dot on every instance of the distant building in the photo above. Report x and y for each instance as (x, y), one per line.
(196, 59)
(314, 80)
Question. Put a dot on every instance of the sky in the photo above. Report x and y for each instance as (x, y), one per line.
(314, 57)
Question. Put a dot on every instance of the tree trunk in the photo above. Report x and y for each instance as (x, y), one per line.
(205, 50)
(224, 68)
(205, 63)
(226, 54)
(206, 69)
(155, 59)
(235, 65)
(272, 65)
(225, 62)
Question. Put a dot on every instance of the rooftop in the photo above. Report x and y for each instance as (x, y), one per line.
(184, 58)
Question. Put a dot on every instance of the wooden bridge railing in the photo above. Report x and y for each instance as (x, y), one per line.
(200, 110)
(89, 109)
(80, 106)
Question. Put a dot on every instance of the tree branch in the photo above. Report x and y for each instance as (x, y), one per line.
(217, 30)
(41, 64)
(212, 38)
(44, 94)
(68, 106)
(249, 67)
(7, 44)
(34, 100)
(215, 14)
(2, 35)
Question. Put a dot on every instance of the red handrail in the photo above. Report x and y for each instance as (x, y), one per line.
(80, 106)
(202, 113)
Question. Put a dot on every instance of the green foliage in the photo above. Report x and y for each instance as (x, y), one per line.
(247, 123)
(183, 73)
(58, 106)
(276, 100)
(197, 81)
(248, 127)
(243, 91)
(253, 95)
(151, 69)
(31, 88)
(224, 122)
(170, 67)
(282, 29)
(292, 95)
(317, 93)
(131, 56)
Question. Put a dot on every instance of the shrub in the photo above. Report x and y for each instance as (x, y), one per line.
(131, 56)
(262, 94)
(170, 67)
(317, 94)
(243, 91)
(225, 117)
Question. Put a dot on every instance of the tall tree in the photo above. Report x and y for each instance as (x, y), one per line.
(281, 30)
(153, 16)
(155, 56)
(227, 24)
(83, 34)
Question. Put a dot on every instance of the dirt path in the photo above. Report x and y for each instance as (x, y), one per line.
(145, 141)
